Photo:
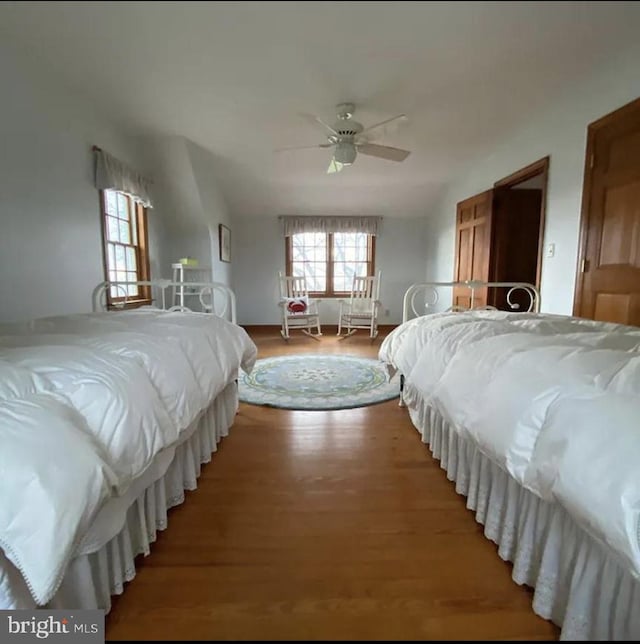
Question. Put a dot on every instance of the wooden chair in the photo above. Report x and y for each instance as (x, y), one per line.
(299, 311)
(360, 311)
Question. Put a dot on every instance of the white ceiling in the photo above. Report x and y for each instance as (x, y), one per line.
(234, 76)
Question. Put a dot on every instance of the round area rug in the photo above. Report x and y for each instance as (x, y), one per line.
(317, 382)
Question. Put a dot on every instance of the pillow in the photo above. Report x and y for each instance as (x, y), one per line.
(296, 304)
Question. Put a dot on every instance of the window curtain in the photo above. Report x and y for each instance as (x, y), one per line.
(112, 174)
(292, 225)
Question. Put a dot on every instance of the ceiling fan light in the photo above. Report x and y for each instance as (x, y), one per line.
(345, 153)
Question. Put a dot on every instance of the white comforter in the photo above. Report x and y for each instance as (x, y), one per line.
(555, 401)
(86, 404)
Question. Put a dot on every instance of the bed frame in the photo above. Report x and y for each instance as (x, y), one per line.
(430, 295)
(214, 297)
(429, 291)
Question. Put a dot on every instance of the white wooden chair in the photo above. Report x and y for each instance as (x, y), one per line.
(299, 311)
(360, 311)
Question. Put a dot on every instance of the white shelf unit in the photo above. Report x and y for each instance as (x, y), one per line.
(183, 274)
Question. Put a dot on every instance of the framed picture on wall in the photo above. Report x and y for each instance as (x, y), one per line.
(224, 236)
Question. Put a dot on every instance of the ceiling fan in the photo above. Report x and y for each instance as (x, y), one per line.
(350, 138)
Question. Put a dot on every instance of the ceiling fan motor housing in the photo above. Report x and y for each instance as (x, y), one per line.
(346, 127)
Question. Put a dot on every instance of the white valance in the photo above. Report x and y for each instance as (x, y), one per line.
(293, 225)
(112, 174)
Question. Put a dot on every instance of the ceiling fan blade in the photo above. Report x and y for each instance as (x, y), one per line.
(305, 147)
(368, 131)
(315, 120)
(383, 151)
(334, 166)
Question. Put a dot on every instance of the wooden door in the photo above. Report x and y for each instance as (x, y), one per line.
(514, 247)
(473, 247)
(608, 284)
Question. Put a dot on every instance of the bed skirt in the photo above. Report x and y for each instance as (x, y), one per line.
(92, 578)
(578, 583)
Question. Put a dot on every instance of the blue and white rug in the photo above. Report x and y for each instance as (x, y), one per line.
(317, 382)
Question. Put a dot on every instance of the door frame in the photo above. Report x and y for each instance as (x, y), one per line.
(539, 167)
(589, 162)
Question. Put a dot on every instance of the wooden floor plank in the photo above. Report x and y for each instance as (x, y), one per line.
(323, 525)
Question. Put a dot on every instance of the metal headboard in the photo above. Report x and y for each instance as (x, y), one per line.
(223, 306)
(431, 296)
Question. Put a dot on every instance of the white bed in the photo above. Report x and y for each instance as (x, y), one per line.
(105, 420)
(537, 420)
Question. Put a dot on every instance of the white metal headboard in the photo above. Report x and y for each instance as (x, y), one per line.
(223, 306)
(431, 296)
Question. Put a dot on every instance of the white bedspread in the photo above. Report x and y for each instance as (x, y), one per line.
(87, 402)
(554, 401)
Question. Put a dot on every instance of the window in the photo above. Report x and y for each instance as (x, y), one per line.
(329, 261)
(125, 246)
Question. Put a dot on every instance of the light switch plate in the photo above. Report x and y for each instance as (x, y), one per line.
(551, 250)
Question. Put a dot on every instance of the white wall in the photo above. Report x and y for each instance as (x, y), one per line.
(188, 202)
(176, 201)
(259, 249)
(213, 205)
(560, 131)
(50, 228)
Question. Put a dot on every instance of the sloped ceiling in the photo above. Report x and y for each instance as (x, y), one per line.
(234, 76)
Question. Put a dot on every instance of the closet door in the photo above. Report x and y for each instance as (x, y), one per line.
(473, 247)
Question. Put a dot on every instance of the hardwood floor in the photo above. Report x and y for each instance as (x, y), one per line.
(323, 525)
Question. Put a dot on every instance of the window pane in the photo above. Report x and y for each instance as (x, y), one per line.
(361, 269)
(125, 237)
(121, 276)
(123, 206)
(350, 255)
(132, 289)
(362, 250)
(131, 259)
(338, 239)
(340, 285)
(120, 258)
(113, 230)
(349, 272)
(320, 240)
(110, 202)
(340, 280)
(316, 276)
(111, 261)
